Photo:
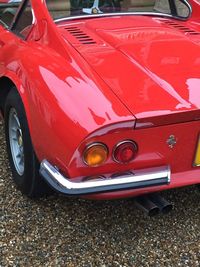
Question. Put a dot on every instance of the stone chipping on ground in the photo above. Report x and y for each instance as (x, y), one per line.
(60, 231)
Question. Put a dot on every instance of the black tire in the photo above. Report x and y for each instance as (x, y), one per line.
(29, 181)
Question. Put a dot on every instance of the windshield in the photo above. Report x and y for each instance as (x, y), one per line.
(69, 8)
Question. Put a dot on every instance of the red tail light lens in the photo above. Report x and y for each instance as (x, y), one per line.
(125, 151)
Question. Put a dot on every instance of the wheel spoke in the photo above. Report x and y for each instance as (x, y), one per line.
(16, 141)
(17, 121)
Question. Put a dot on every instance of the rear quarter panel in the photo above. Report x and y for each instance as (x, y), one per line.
(64, 102)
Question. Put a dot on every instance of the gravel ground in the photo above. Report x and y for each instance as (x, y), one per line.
(58, 231)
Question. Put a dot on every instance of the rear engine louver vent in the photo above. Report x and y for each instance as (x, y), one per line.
(82, 37)
(181, 28)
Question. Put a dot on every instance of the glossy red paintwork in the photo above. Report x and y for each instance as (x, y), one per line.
(159, 77)
(139, 80)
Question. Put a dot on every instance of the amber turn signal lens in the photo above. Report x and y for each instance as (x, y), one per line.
(95, 154)
(125, 151)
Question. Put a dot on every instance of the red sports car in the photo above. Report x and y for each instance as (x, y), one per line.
(101, 97)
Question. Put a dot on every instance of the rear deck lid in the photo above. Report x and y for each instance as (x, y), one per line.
(153, 68)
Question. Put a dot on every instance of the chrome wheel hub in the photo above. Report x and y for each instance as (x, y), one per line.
(16, 141)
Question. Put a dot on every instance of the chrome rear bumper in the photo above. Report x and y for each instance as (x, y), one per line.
(134, 180)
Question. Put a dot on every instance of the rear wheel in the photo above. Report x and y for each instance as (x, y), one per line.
(23, 161)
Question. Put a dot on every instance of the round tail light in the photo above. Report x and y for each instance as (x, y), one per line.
(125, 151)
(95, 154)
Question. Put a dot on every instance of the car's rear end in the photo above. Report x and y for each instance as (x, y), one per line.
(143, 60)
(135, 161)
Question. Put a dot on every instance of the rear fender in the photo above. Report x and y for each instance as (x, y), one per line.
(22, 92)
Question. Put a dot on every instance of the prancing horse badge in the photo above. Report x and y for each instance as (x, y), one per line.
(171, 141)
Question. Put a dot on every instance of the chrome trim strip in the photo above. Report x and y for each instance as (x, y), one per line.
(140, 178)
(115, 14)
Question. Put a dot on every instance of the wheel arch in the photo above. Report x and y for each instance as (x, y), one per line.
(7, 83)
